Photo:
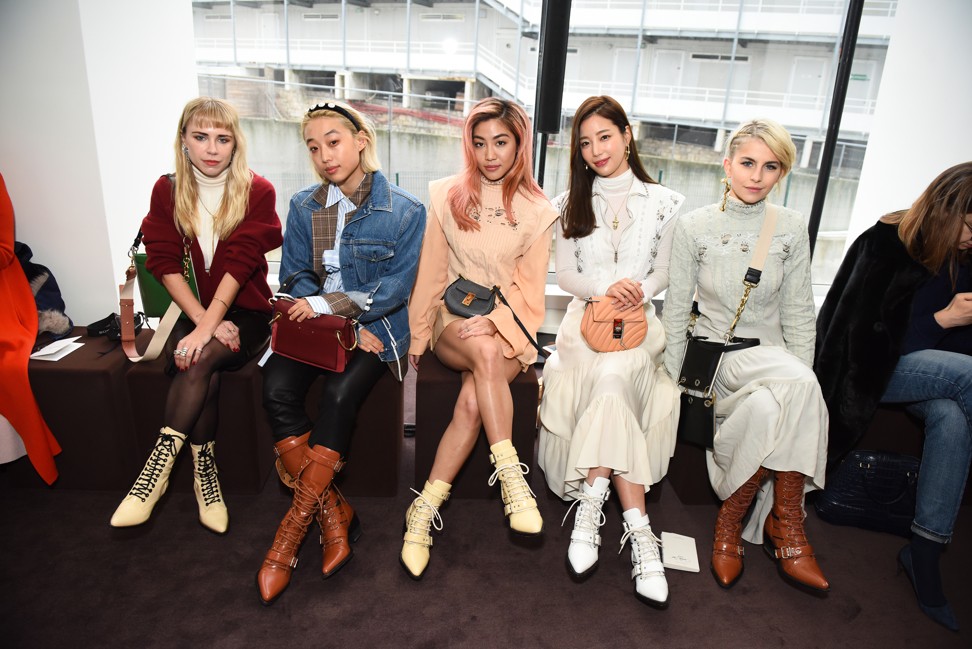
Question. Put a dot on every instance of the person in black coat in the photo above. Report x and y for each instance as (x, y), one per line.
(896, 327)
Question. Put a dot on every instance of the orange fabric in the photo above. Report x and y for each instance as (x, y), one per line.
(18, 322)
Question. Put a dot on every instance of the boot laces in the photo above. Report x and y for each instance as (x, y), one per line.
(512, 483)
(331, 514)
(208, 479)
(294, 525)
(424, 516)
(164, 450)
(590, 516)
(644, 548)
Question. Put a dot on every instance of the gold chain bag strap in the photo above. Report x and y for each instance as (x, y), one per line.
(703, 357)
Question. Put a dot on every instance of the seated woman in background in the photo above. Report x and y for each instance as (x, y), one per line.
(773, 421)
(896, 327)
(489, 224)
(610, 417)
(222, 215)
(362, 236)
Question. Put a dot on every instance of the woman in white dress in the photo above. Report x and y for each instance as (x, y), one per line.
(610, 417)
(771, 414)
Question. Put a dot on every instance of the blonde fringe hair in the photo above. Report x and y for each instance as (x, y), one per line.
(467, 193)
(773, 135)
(369, 155)
(209, 112)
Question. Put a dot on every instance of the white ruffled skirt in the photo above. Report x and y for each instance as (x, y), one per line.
(617, 409)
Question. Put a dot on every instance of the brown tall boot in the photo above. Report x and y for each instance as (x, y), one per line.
(727, 549)
(339, 528)
(784, 538)
(290, 452)
(318, 467)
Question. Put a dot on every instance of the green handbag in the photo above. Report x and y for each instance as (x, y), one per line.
(155, 299)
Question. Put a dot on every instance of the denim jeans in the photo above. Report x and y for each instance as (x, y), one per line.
(937, 385)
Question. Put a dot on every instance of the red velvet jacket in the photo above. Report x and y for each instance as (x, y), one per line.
(242, 255)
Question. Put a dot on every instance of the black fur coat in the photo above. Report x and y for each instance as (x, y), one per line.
(861, 330)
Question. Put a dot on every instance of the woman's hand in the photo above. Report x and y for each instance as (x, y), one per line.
(189, 349)
(301, 310)
(369, 342)
(229, 334)
(413, 360)
(476, 326)
(958, 313)
(627, 294)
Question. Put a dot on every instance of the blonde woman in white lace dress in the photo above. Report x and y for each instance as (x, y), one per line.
(772, 420)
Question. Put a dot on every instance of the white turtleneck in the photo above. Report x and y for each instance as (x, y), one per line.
(210, 198)
(615, 192)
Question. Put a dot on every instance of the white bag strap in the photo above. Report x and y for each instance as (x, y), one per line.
(126, 304)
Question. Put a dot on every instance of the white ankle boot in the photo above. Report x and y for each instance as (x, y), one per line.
(421, 517)
(520, 504)
(152, 482)
(209, 497)
(585, 540)
(647, 570)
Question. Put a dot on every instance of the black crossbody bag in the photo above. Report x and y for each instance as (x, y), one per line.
(703, 357)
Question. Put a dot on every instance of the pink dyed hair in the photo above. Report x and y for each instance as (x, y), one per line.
(466, 194)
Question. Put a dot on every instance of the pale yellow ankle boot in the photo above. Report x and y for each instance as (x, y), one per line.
(152, 482)
(519, 501)
(421, 517)
(209, 497)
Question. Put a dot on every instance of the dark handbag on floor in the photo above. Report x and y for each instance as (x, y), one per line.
(874, 490)
(703, 357)
(326, 341)
(467, 298)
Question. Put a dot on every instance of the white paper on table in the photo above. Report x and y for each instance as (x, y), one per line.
(57, 349)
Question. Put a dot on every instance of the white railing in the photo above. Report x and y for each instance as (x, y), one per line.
(871, 7)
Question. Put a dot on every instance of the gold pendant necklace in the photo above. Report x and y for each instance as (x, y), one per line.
(623, 206)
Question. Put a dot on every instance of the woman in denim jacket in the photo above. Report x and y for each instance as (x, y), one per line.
(360, 237)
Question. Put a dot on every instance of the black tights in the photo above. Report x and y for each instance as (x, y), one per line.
(285, 386)
(192, 406)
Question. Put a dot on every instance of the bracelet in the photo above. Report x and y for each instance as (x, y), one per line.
(221, 302)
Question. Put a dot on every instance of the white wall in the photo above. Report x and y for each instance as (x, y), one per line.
(93, 90)
(921, 124)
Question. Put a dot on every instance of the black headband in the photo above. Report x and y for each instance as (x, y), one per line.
(337, 108)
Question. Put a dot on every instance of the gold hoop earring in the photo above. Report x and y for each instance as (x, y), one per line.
(725, 193)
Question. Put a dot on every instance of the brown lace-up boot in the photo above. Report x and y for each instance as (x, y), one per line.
(311, 483)
(290, 452)
(727, 549)
(339, 528)
(784, 537)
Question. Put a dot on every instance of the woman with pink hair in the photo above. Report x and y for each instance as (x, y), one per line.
(490, 224)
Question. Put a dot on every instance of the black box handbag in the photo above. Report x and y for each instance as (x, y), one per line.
(703, 357)
(874, 490)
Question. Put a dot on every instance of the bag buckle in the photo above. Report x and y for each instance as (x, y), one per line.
(618, 329)
(466, 301)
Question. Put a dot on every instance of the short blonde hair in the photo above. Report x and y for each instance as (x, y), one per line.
(773, 135)
(355, 122)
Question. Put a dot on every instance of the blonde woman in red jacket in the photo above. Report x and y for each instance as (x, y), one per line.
(223, 215)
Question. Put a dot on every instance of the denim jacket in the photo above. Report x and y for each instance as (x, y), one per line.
(379, 255)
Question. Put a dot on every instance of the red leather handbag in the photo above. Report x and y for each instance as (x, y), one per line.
(326, 341)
